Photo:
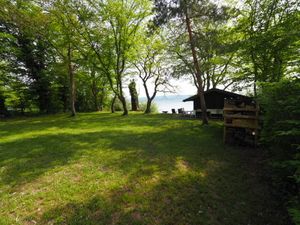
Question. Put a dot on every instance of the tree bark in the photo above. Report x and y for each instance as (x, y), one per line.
(101, 99)
(72, 83)
(198, 72)
(97, 108)
(112, 107)
(123, 101)
(120, 90)
(95, 91)
(95, 96)
(3, 109)
(255, 74)
(207, 82)
(65, 97)
(149, 98)
(148, 107)
(134, 96)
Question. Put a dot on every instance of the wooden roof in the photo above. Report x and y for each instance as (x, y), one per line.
(215, 90)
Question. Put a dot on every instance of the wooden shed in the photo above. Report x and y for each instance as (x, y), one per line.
(214, 99)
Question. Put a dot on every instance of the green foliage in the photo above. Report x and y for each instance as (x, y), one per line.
(280, 102)
(214, 37)
(269, 39)
(294, 211)
(281, 133)
(118, 105)
(114, 38)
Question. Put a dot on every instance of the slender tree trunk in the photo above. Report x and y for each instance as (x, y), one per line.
(3, 109)
(22, 110)
(95, 96)
(123, 101)
(112, 106)
(149, 98)
(208, 82)
(65, 98)
(72, 83)
(95, 90)
(120, 94)
(198, 72)
(101, 99)
(255, 74)
(97, 108)
(148, 106)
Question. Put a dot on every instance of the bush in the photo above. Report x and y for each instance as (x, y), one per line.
(281, 134)
(154, 107)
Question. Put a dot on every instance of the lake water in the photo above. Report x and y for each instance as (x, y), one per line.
(167, 103)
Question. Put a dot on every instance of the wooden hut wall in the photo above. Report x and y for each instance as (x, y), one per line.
(212, 100)
(215, 100)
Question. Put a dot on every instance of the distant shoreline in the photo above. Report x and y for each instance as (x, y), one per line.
(167, 103)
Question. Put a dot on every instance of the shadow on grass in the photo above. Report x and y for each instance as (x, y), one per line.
(161, 205)
(200, 181)
(181, 199)
(25, 159)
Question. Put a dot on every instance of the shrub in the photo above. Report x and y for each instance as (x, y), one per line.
(281, 133)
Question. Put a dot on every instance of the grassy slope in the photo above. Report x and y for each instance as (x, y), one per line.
(105, 169)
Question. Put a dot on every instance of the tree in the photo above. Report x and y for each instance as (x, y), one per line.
(134, 96)
(64, 37)
(280, 134)
(93, 88)
(115, 26)
(215, 44)
(182, 9)
(152, 66)
(28, 51)
(270, 43)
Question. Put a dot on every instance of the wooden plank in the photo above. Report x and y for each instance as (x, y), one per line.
(240, 109)
(235, 116)
(241, 126)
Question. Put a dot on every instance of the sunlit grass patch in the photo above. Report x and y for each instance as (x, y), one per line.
(100, 168)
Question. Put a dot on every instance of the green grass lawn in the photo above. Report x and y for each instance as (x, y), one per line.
(100, 168)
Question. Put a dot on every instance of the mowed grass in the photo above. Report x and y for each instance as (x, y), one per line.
(102, 168)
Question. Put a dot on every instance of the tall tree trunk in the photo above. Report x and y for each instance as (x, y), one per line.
(149, 98)
(64, 97)
(198, 72)
(72, 83)
(134, 96)
(3, 109)
(123, 101)
(22, 110)
(94, 90)
(101, 98)
(255, 74)
(95, 96)
(207, 81)
(112, 106)
(148, 106)
(97, 108)
(120, 94)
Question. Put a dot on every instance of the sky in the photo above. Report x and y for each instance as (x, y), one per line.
(182, 87)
